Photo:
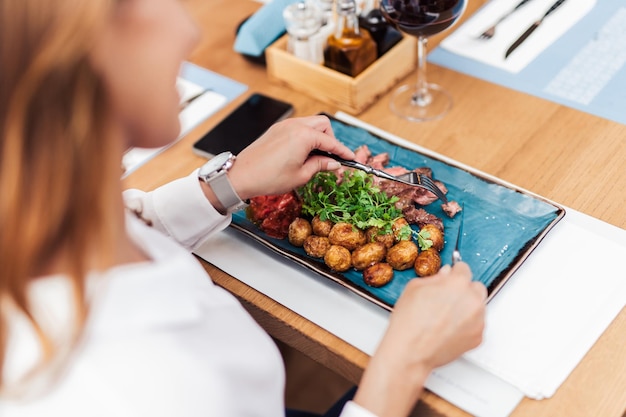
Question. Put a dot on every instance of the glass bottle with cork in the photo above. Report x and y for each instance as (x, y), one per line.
(372, 19)
(350, 49)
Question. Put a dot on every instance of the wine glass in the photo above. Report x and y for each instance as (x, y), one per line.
(421, 18)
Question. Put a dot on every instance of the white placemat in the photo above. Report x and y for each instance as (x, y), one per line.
(465, 41)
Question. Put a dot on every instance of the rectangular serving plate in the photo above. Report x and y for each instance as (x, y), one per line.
(502, 223)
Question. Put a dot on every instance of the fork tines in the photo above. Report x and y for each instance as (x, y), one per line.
(432, 187)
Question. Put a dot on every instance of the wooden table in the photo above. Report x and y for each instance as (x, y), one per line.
(565, 155)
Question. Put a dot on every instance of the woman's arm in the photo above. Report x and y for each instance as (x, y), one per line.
(178, 209)
(434, 321)
(279, 160)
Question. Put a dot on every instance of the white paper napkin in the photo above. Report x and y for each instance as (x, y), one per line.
(196, 111)
(556, 306)
(465, 40)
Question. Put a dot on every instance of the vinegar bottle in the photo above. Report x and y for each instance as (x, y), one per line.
(350, 49)
(380, 30)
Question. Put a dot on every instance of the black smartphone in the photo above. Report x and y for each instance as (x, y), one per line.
(243, 125)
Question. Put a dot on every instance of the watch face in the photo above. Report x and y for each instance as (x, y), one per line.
(215, 164)
(219, 160)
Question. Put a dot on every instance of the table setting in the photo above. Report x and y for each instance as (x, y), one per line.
(536, 331)
(569, 52)
(547, 323)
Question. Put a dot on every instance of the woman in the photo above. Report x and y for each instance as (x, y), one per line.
(102, 312)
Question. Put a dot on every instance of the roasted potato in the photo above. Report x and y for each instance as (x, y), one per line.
(299, 230)
(436, 236)
(368, 255)
(398, 227)
(378, 274)
(402, 255)
(427, 263)
(373, 234)
(316, 246)
(321, 227)
(347, 235)
(338, 258)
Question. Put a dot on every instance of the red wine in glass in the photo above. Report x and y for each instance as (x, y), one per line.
(421, 18)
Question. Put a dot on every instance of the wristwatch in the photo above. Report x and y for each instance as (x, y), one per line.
(214, 174)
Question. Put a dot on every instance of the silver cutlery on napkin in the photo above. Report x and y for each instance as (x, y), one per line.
(490, 31)
(183, 105)
(532, 28)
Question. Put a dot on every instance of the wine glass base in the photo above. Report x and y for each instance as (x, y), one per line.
(406, 103)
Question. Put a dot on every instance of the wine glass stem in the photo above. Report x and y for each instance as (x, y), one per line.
(421, 97)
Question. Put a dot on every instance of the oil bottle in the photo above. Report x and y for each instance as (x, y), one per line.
(350, 49)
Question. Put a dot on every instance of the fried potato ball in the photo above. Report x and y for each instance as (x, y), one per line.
(427, 263)
(368, 255)
(398, 227)
(373, 234)
(316, 246)
(346, 235)
(402, 255)
(299, 230)
(378, 274)
(321, 227)
(338, 258)
(436, 236)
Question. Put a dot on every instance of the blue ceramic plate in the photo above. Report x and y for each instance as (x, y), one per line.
(502, 224)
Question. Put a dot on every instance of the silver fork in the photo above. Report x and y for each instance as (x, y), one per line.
(489, 32)
(411, 178)
(425, 182)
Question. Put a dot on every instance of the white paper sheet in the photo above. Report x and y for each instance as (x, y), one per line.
(465, 40)
(536, 331)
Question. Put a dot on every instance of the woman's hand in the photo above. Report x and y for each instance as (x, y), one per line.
(279, 160)
(435, 320)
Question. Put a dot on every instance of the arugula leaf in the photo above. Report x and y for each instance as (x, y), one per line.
(423, 239)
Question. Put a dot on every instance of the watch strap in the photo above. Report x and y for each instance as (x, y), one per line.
(226, 194)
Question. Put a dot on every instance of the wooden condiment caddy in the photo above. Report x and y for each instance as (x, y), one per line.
(350, 94)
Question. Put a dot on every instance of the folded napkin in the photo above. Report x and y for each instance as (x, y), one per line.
(262, 28)
(556, 306)
(465, 40)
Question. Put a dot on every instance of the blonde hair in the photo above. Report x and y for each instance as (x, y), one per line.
(53, 153)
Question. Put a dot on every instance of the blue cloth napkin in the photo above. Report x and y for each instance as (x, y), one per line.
(262, 28)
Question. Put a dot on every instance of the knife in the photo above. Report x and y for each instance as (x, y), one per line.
(532, 28)
(456, 253)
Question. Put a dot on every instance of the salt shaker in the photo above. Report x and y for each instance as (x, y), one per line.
(302, 21)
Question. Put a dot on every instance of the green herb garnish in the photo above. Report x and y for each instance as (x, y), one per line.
(355, 200)
(423, 239)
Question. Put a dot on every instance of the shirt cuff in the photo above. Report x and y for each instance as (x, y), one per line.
(352, 409)
(180, 210)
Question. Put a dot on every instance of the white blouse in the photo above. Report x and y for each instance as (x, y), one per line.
(161, 338)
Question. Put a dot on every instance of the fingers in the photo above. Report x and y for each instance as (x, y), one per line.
(479, 289)
(462, 271)
(326, 140)
(459, 276)
(319, 122)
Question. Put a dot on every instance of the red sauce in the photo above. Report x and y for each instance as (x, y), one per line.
(274, 213)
